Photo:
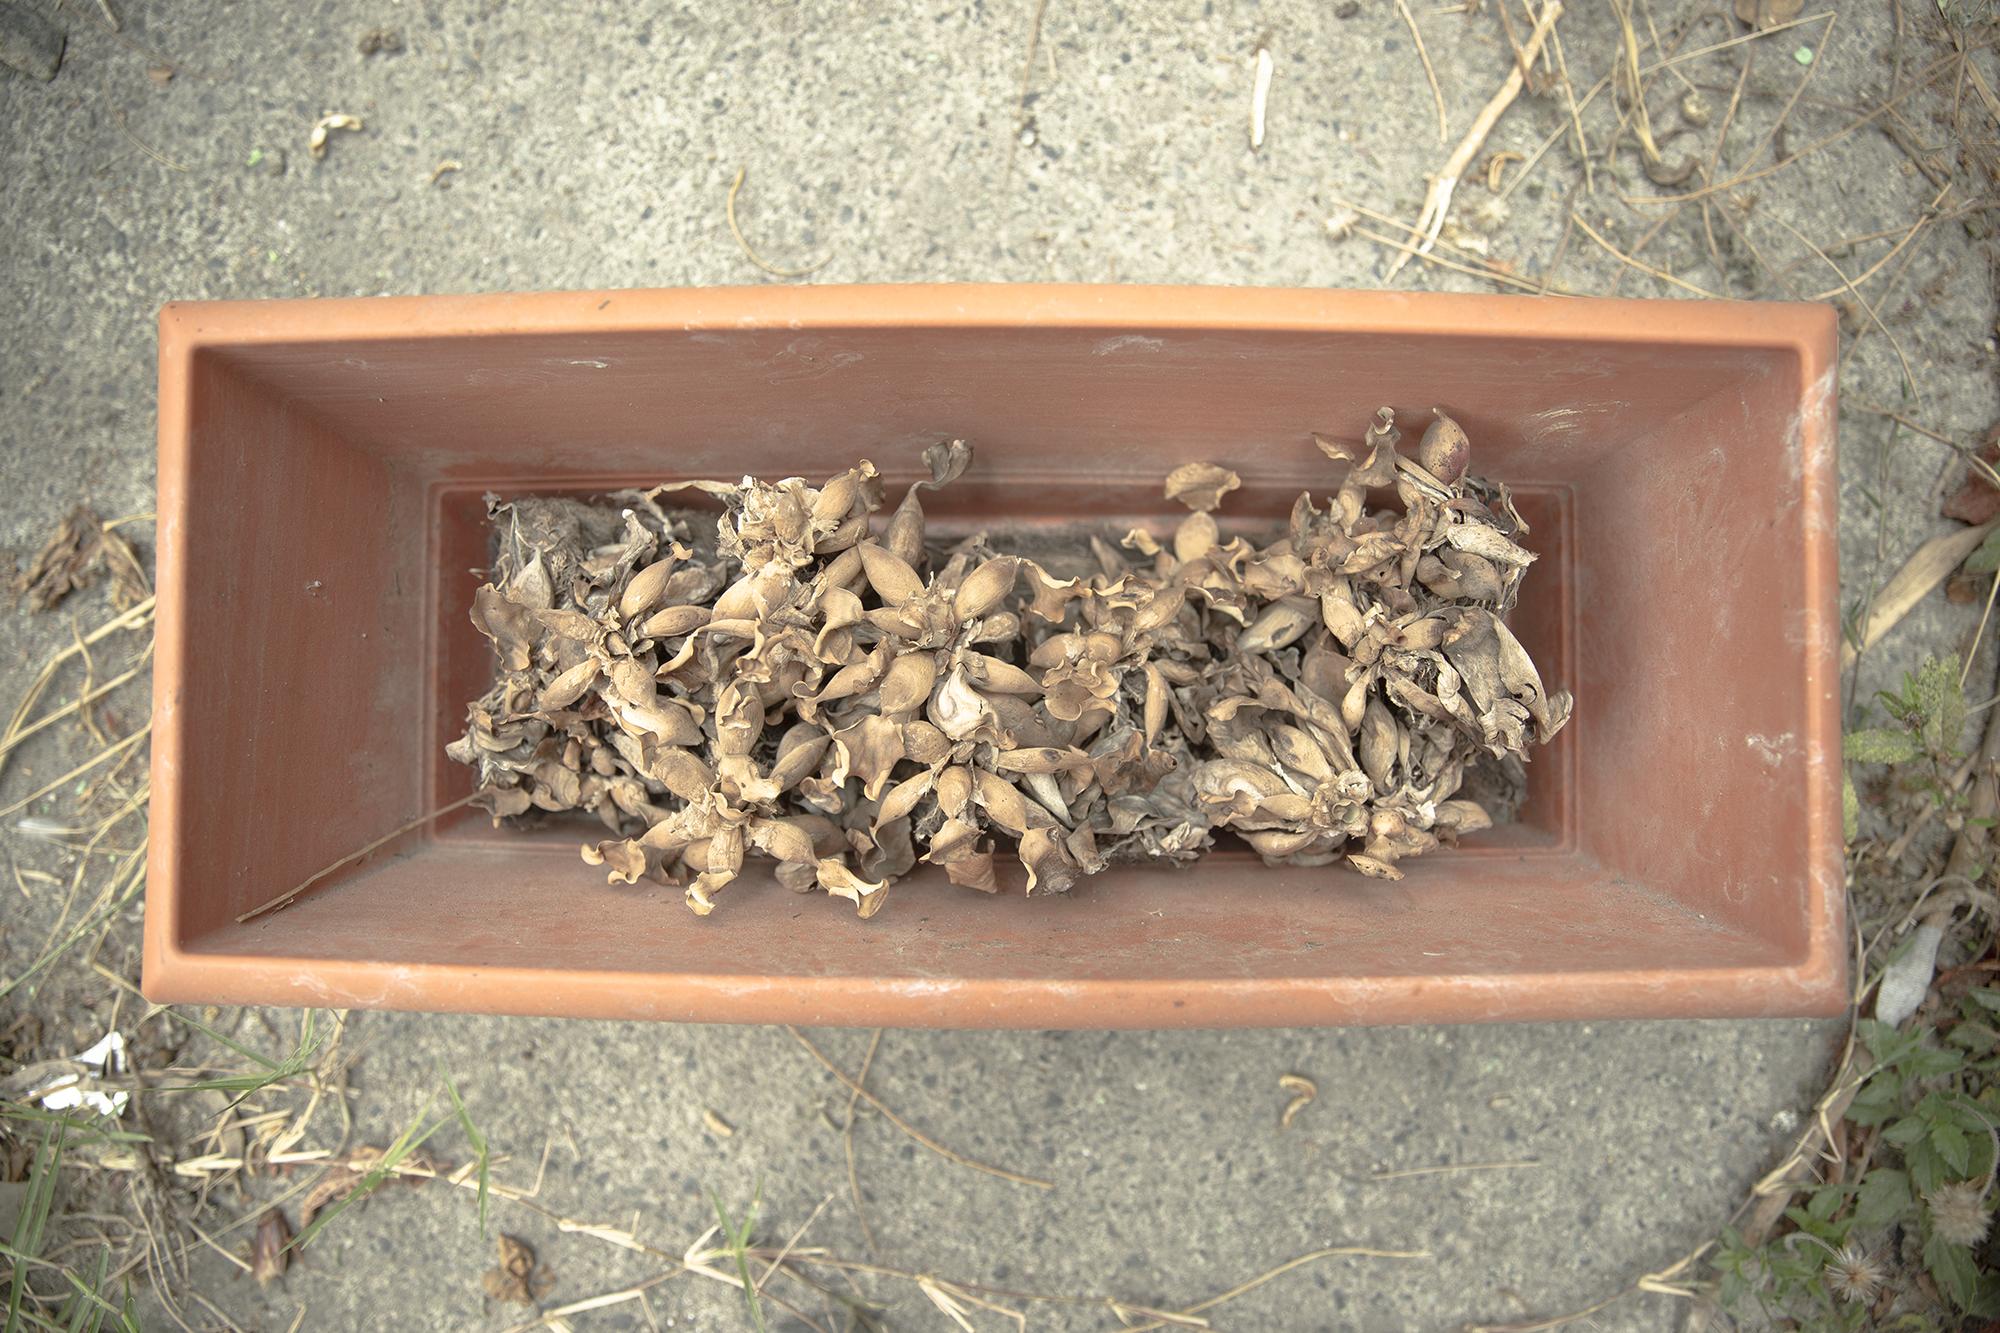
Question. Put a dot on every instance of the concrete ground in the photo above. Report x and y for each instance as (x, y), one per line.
(593, 146)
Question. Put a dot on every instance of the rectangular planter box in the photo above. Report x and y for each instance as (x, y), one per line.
(321, 531)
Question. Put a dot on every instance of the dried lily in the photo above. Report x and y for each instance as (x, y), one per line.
(848, 698)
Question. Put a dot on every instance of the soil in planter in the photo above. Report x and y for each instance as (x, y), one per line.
(801, 678)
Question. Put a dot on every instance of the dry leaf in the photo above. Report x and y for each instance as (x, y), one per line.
(1303, 1091)
(270, 1249)
(1927, 567)
(345, 1175)
(73, 556)
(1976, 500)
(1766, 14)
(517, 1279)
(1201, 486)
(325, 125)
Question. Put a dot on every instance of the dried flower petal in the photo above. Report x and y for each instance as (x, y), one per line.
(1201, 486)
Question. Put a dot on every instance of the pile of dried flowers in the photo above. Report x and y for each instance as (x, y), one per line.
(849, 702)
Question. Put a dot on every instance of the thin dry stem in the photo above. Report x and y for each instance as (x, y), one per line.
(1909, 377)
(736, 230)
(109, 752)
(1437, 200)
(847, 1142)
(909, 1129)
(1430, 74)
(1639, 264)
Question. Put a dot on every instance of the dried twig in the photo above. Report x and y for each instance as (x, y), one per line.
(847, 1142)
(109, 752)
(909, 1129)
(729, 210)
(1430, 75)
(1437, 201)
(1260, 96)
(1847, 284)
(1639, 264)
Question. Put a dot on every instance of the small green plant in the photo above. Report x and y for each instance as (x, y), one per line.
(475, 1140)
(1926, 718)
(1882, 1247)
(392, 1157)
(737, 1236)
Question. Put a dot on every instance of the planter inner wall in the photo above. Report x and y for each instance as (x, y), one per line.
(333, 524)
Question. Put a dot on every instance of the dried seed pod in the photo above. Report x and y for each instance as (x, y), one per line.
(973, 870)
(1300, 753)
(1444, 451)
(924, 743)
(1159, 609)
(1340, 615)
(673, 621)
(643, 593)
(903, 797)
(841, 882)
(1278, 844)
(752, 595)
(568, 687)
(1003, 804)
(1156, 703)
(1380, 739)
(782, 840)
(1280, 624)
(799, 752)
(1481, 540)
(958, 710)
(985, 588)
(994, 676)
(1050, 869)
(954, 791)
(680, 772)
(1195, 537)
(890, 574)
(1040, 759)
(1477, 578)
(906, 686)
(839, 495)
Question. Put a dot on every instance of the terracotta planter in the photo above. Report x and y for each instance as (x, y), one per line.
(321, 468)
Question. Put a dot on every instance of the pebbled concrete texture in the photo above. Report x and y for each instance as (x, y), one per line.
(595, 145)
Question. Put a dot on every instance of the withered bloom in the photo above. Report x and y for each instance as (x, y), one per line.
(844, 697)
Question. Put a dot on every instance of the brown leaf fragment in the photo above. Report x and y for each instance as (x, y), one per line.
(1201, 486)
(270, 1248)
(517, 1279)
(1303, 1091)
(73, 556)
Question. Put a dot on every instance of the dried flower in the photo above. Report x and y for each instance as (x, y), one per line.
(850, 699)
(1958, 1212)
(1853, 1275)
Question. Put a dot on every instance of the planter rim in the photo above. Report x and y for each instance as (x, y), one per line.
(1813, 982)
(1746, 324)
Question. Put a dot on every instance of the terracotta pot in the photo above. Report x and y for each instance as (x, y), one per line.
(321, 471)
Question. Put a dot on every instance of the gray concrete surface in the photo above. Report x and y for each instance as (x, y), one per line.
(595, 144)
